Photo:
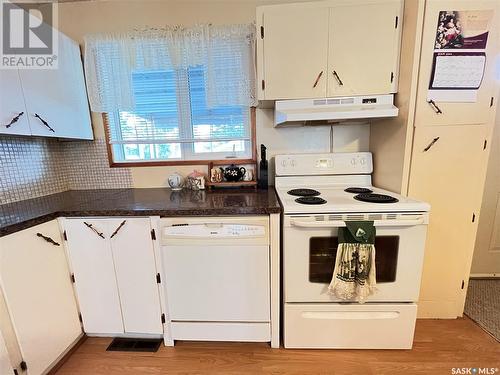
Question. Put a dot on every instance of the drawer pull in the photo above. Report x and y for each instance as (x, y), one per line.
(435, 106)
(118, 229)
(48, 239)
(338, 78)
(14, 120)
(431, 144)
(44, 122)
(317, 79)
(350, 315)
(100, 234)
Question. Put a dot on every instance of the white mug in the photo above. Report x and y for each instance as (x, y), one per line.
(248, 175)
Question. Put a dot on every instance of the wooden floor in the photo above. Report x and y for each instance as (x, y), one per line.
(440, 345)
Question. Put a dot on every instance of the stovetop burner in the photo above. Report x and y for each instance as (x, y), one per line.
(357, 190)
(304, 192)
(310, 200)
(375, 198)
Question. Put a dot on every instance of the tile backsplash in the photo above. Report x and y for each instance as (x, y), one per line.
(33, 167)
(30, 167)
(86, 166)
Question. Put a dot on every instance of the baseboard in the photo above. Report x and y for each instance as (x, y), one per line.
(66, 354)
(484, 276)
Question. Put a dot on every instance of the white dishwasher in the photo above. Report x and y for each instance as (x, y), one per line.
(217, 278)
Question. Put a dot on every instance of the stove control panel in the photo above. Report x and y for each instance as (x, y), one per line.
(324, 164)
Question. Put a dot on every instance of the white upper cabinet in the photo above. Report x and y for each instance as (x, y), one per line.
(295, 59)
(363, 57)
(56, 99)
(477, 112)
(13, 117)
(329, 48)
(53, 102)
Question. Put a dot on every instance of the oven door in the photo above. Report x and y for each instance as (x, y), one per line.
(310, 246)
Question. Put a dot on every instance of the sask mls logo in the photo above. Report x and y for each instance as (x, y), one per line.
(29, 35)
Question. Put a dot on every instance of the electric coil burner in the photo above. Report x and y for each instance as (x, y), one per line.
(304, 192)
(375, 198)
(357, 190)
(310, 200)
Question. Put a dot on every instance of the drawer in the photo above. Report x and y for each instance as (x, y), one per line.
(350, 326)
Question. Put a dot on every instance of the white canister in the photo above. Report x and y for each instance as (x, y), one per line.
(175, 181)
(248, 175)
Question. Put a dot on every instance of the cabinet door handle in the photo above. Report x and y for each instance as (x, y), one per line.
(434, 106)
(100, 234)
(14, 120)
(339, 81)
(48, 239)
(431, 144)
(118, 229)
(44, 122)
(317, 79)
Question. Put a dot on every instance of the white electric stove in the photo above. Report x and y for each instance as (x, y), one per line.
(319, 193)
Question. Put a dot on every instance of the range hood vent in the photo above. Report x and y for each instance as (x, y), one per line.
(332, 110)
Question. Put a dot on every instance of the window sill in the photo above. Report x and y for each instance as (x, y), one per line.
(164, 163)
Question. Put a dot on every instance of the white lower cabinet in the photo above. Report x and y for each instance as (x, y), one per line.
(114, 268)
(36, 286)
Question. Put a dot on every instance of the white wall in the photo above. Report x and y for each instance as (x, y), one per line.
(81, 18)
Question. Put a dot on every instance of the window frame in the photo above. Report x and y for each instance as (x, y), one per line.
(157, 163)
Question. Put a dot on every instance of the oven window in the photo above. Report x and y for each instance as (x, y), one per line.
(323, 250)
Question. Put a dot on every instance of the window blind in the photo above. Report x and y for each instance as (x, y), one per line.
(171, 120)
(175, 94)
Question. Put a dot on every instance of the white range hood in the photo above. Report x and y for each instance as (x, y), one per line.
(331, 110)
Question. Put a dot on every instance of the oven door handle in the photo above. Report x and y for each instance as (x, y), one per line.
(340, 223)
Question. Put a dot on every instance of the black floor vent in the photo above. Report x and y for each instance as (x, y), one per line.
(134, 345)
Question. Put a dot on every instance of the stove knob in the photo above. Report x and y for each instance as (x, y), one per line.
(353, 161)
(283, 163)
(292, 163)
(363, 161)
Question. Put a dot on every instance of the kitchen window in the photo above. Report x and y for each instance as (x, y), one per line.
(176, 96)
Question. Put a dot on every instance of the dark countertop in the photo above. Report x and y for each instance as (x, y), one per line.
(136, 202)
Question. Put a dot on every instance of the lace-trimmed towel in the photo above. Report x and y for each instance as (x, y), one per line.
(354, 273)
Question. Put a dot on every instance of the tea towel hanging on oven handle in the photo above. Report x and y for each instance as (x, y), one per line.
(354, 277)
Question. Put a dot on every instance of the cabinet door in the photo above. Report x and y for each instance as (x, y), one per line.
(94, 270)
(478, 112)
(58, 96)
(12, 104)
(363, 51)
(295, 52)
(135, 267)
(447, 176)
(35, 279)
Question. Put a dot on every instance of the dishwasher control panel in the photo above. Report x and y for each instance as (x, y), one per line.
(214, 230)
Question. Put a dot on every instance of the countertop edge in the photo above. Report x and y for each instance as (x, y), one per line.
(17, 227)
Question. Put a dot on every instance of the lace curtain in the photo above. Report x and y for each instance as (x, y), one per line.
(225, 52)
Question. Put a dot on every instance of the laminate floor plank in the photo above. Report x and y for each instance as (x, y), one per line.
(439, 346)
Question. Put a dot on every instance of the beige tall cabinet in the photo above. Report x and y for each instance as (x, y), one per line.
(447, 166)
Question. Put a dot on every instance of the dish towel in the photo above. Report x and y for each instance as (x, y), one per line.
(354, 273)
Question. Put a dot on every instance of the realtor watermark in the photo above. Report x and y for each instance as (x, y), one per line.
(28, 35)
(474, 370)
